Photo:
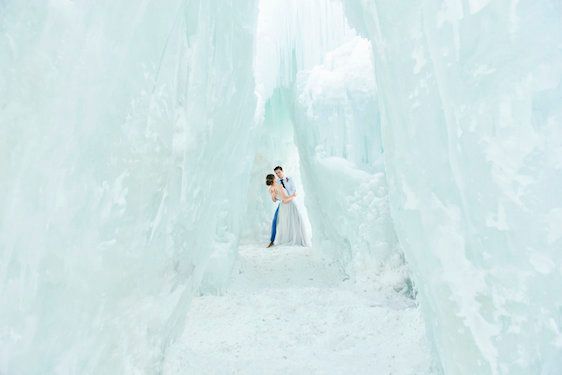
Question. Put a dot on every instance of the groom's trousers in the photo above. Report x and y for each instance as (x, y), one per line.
(274, 225)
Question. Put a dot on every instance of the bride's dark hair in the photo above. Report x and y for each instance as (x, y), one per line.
(269, 179)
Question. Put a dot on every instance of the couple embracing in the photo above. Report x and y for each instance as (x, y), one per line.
(288, 226)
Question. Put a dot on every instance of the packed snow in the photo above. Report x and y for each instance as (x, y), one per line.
(290, 311)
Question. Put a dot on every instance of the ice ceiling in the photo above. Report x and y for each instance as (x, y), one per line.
(134, 137)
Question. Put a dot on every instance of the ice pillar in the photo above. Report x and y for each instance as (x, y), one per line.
(124, 134)
(470, 94)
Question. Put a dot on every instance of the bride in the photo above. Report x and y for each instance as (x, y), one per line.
(291, 230)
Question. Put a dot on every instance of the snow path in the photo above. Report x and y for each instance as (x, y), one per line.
(289, 312)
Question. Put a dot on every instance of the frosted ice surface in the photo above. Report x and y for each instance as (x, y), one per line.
(472, 141)
(113, 118)
(293, 35)
(338, 135)
(132, 135)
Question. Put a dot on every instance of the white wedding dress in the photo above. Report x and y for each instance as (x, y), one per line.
(291, 229)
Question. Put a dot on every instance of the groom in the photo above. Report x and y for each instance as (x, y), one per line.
(289, 187)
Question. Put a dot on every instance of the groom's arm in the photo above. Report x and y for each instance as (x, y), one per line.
(286, 198)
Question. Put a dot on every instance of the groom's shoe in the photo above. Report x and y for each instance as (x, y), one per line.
(270, 244)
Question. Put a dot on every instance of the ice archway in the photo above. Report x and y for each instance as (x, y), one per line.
(317, 99)
(117, 139)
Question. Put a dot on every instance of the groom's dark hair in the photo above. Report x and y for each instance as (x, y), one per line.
(278, 167)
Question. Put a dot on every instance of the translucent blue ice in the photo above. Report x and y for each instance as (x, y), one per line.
(115, 174)
(472, 133)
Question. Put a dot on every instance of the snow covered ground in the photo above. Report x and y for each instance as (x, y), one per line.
(288, 311)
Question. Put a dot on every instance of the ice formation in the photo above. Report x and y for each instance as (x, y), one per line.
(471, 128)
(338, 134)
(113, 121)
(134, 139)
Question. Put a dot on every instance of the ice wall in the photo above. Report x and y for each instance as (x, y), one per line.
(293, 35)
(470, 94)
(121, 125)
(337, 129)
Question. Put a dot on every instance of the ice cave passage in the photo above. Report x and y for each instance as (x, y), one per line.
(425, 138)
